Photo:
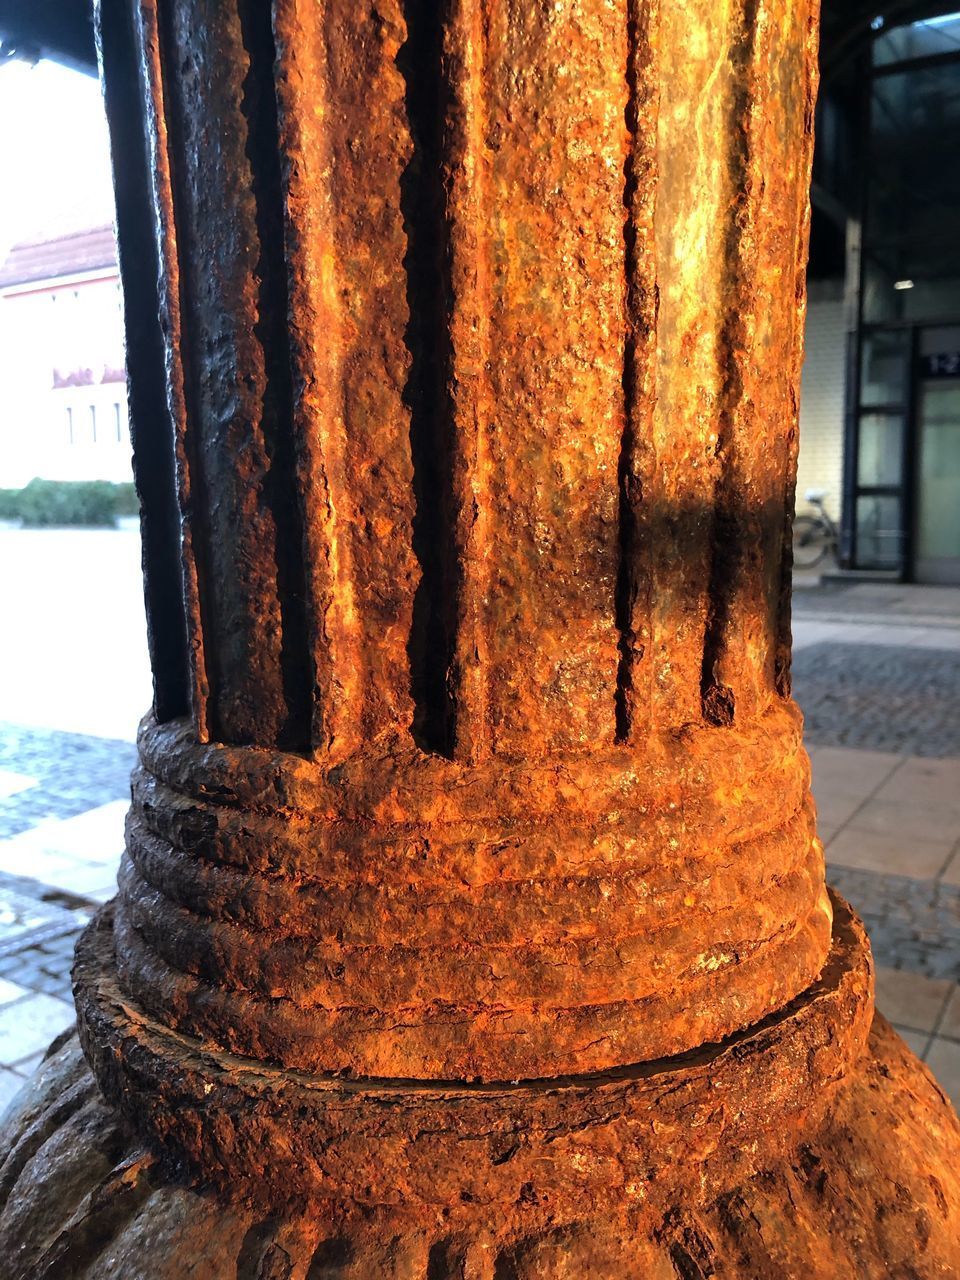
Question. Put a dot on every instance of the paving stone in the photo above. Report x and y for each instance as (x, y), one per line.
(51, 984)
(913, 924)
(939, 822)
(26, 1066)
(37, 864)
(951, 874)
(885, 601)
(10, 991)
(943, 1059)
(845, 769)
(10, 1086)
(22, 914)
(950, 1022)
(835, 808)
(918, 1041)
(94, 837)
(887, 852)
(910, 999)
(28, 1026)
(43, 967)
(74, 773)
(12, 783)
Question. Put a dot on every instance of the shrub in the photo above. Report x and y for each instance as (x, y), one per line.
(126, 500)
(9, 509)
(68, 502)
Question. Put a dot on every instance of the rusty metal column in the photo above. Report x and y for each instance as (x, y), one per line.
(473, 795)
(483, 493)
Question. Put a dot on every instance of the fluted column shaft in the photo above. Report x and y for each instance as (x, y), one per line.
(480, 339)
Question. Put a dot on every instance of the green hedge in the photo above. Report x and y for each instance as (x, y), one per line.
(68, 502)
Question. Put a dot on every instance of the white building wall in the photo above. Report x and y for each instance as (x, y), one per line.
(75, 432)
(822, 393)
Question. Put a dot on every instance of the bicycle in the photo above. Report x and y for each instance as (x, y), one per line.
(814, 536)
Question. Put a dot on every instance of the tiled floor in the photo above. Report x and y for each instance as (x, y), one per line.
(883, 828)
(80, 854)
(926, 1012)
(73, 684)
(890, 819)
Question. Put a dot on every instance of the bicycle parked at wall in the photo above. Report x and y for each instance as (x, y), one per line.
(814, 536)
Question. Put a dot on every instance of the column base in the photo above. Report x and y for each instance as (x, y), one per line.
(791, 1150)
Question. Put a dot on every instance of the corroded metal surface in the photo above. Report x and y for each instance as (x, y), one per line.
(483, 338)
(574, 1138)
(630, 1180)
(406, 915)
(527, 493)
(477, 902)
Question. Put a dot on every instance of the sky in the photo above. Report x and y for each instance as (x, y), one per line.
(54, 153)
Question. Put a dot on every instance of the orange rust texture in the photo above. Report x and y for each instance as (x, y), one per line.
(483, 336)
(791, 1152)
(555, 94)
(344, 163)
(487, 320)
(724, 112)
(474, 923)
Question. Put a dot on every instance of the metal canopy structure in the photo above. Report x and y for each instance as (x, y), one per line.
(61, 30)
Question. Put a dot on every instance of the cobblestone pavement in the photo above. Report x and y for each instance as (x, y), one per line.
(62, 801)
(914, 924)
(877, 672)
(879, 698)
(64, 775)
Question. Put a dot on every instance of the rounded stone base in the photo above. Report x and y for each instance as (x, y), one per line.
(790, 1152)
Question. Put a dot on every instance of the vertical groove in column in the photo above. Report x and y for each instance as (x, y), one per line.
(469, 216)
(637, 460)
(342, 157)
(280, 481)
(151, 428)
(344, 152)
(150, 38)
(727, 550)
(427, 396)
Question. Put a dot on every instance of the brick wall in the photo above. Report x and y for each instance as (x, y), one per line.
(822, 396)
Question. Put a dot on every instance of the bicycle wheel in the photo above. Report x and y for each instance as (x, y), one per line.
(810, 541)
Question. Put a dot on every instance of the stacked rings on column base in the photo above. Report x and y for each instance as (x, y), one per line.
(401, 915)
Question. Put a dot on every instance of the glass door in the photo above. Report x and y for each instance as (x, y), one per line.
(937, 554)
(878, 506)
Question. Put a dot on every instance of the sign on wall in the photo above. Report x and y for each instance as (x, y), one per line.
(945, 364)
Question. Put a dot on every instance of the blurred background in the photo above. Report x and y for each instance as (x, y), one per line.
(877, 547)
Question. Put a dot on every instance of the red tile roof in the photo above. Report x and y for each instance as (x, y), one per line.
(63, 256)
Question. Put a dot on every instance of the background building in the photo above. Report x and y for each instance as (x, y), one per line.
(880, 415)
(63, 412)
